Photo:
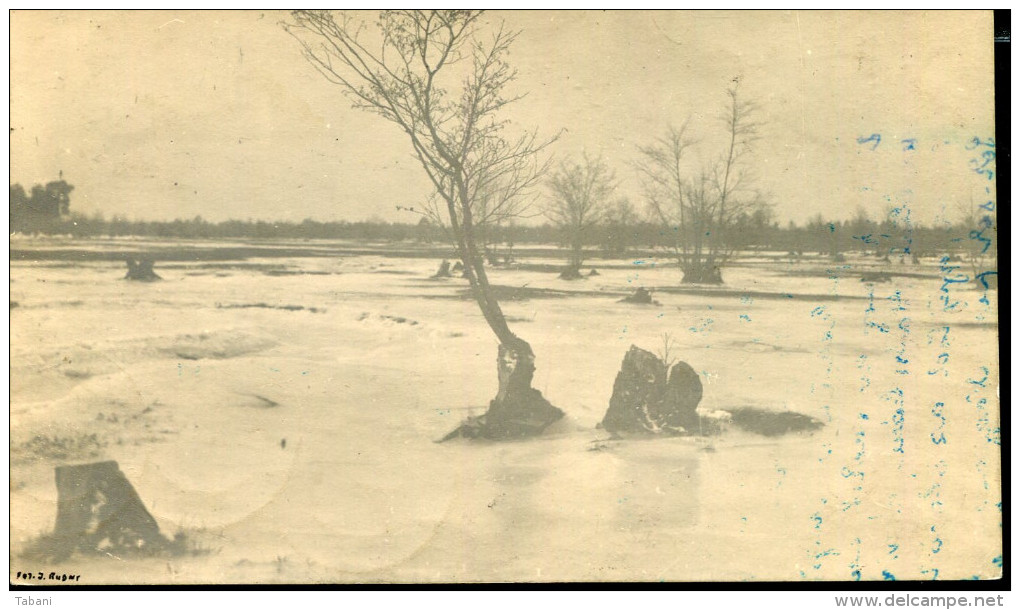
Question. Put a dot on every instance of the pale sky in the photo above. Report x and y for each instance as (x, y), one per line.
(159, 115)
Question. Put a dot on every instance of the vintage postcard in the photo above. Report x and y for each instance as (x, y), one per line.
(504, 297)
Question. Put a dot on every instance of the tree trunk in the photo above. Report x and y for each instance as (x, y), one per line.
(141, 270)
(518, 409)
(576, 257)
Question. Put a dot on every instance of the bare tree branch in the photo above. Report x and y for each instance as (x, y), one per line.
(479, 174)
(581, 198)
(700, 208)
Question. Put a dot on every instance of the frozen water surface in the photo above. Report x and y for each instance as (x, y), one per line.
(359, 361)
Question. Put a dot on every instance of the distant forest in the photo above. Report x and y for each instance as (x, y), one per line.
(46, 210)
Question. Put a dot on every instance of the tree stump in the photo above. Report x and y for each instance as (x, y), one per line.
(683, 393)
(571, 273)
(706, 273)
(444, 270)
(98, 510)
(458, 267)
(518, 410)
(641, 382)
(646, 402)
(141, 270)
(641, 296)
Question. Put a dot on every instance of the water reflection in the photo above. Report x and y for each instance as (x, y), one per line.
(660, 483)
(590, 510)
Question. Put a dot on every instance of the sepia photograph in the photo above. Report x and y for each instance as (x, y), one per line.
(510, 296)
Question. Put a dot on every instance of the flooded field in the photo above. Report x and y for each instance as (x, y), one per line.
(278, 404)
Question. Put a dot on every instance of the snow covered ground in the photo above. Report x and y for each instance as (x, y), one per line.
(282, 412)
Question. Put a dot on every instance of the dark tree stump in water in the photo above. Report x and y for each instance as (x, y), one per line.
(518, 410)
(641, 382)
(141, 270)
(644, 401)
(641, 296)
(98, 510)
(706, 273)
(571, 273)
(444, 270)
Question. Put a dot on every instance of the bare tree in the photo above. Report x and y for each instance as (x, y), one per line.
(700, 208)
(433, 75)
(619, 228)
(490, 212)
(581, 194)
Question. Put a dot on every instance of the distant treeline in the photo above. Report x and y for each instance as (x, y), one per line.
(833, 238)
(46, 210)
(45, 204)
